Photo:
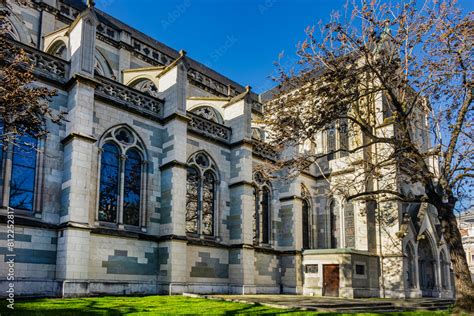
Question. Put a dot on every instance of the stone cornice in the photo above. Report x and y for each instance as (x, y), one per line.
(239, 183)
(173, 164)
(81, 136)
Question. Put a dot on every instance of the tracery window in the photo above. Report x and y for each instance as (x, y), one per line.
(337, 139)
(201, 195)
(147, 86)
(208, 113)
(306, 217)
(122, 178)
(258, 133)
(58, 49)
(261, 215)
(331, 141)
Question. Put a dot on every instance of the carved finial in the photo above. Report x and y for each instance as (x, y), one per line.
(248, 88)
(90, 3)
(182, 53)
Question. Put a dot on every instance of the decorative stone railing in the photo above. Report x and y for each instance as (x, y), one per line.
(129, 98)
(44, 64)
(210, 84)
(257, 106)
(209, 128)
(264, 150)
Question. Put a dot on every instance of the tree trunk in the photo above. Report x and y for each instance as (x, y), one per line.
(462, 275)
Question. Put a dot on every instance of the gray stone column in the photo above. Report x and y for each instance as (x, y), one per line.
(78, 206)
(172, 88)
(240, 219)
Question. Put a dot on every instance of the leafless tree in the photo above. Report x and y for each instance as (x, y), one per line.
(388, 65)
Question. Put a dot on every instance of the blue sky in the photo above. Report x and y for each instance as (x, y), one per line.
(238, 38)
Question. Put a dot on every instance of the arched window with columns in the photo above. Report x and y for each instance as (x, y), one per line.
(262, 212)
(201, 195)
(122, 178)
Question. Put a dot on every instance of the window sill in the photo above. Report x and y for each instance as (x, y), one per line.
(32, 214)
(202, 237)
(122, 227)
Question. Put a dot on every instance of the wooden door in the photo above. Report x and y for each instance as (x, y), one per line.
(331, 280)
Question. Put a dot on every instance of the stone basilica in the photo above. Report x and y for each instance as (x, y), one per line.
(151, 186)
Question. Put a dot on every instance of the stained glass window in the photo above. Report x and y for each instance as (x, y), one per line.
(109, 183)
(343, 137)
(306, 217)
(331, 142)
(121, 177)
(305, 214)
(255, 216)
(192, 190)
(22, 182)
(132, 185)
(201, 189)
(261, 215)
(208, 198)
(265, 215)
(334, 226)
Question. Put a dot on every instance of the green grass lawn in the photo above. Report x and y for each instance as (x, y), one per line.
(150, 305)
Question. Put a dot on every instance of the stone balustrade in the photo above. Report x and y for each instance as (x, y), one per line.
(44, 64)
(264, 150)
(209, 128)
(128, 97)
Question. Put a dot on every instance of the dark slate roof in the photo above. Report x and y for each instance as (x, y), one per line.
(117, 24)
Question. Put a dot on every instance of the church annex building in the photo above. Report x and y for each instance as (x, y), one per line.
(152, 185)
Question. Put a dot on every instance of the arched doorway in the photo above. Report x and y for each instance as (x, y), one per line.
(426, 268)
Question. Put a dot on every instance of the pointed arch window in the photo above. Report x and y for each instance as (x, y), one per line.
(337, 139)
(58, 49)
(306, 217)
(121, 181)
(19, 171)
(349, 226)
(201, 196)
(262, 212)
(444, 265)
(334, 239)
(410, 266)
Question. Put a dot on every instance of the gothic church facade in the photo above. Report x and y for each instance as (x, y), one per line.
(152, 185)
